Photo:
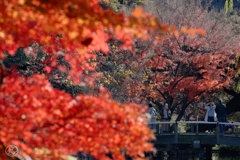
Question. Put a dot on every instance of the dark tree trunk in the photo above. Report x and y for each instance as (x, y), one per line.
(234, 104)
(181, 113)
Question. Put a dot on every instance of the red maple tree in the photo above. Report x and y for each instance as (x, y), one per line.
(185, 67)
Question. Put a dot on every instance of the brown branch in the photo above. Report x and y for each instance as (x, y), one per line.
(164, 97)
(178, 81)
(229, 91)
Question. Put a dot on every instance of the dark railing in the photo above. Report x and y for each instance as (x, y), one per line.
(234, 126)
(193, 132)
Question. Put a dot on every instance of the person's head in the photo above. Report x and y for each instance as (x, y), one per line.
(166, 105)
(211, 104)
(150, 105)
(219, 101)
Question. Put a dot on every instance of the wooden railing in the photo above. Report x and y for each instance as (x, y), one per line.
(177, 136)
(235, 126)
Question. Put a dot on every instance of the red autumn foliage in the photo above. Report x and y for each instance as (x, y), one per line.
(185, 67)
(43, 117)
(36, 117)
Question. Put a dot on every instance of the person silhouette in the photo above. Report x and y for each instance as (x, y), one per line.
(221, 115)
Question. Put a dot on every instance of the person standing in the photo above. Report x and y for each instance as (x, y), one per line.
(221, 115)
(210, 116)
(153, 113)
(166, 116)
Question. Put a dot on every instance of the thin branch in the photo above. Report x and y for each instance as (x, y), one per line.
(164, 97)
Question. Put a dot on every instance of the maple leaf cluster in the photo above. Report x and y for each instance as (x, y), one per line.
(34, 115)
(69, 27)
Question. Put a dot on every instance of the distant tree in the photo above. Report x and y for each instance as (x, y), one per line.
(187, 67)
(183, 68)
(228, 6)
(124, 71)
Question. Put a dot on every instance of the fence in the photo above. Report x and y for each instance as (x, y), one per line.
(194, 126)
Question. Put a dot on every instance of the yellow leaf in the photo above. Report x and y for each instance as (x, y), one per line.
(2, 35)
(73, 35)
(137, 12)
(21, 2)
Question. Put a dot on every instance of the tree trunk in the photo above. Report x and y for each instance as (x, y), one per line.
(181, 113)
(234, 104)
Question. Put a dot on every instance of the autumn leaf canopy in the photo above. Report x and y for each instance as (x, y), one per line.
(45, 122)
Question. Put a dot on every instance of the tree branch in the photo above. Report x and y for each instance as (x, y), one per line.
(229, 91)
(164, 97)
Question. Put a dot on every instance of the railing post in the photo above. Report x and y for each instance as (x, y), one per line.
(192, 128)
(236, 130)
(196, 128)
(218, 132)
(158, 128)
(233, 129)
(176, 132)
